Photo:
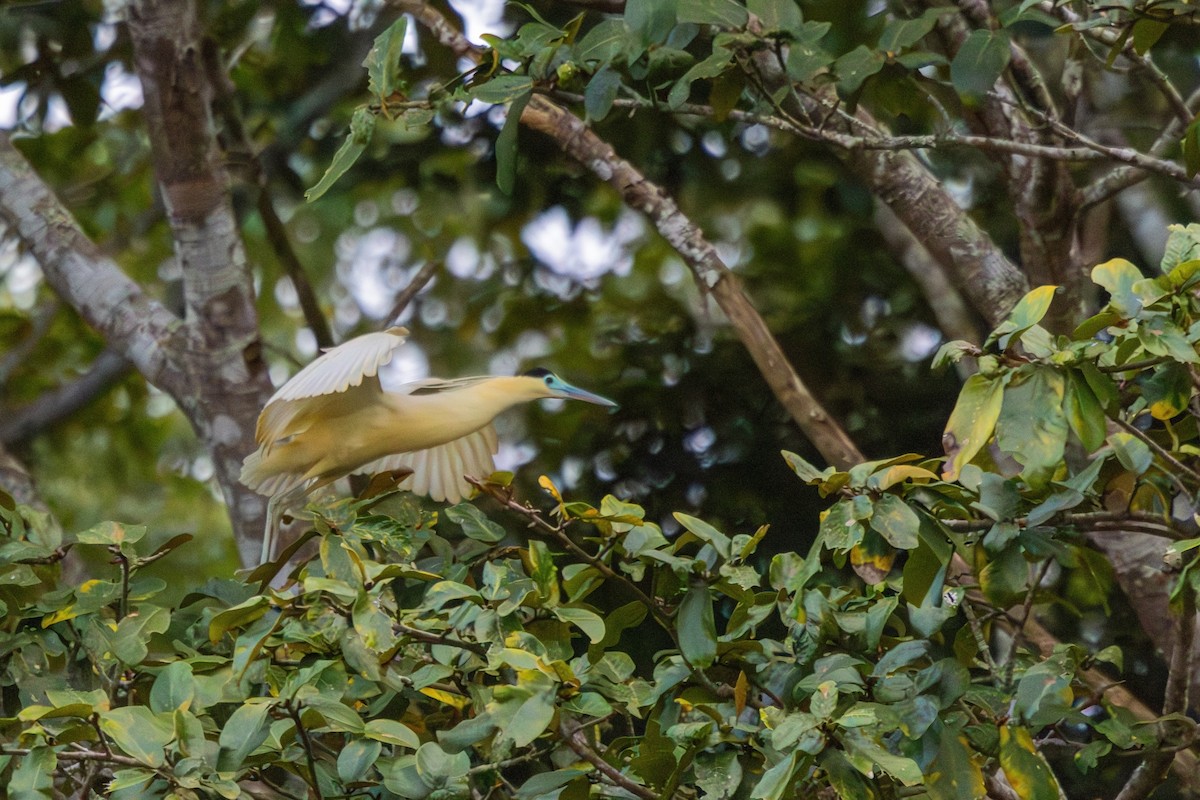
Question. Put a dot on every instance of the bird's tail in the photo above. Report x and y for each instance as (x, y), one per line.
(258, 476)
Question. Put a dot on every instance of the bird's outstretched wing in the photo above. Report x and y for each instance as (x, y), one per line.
(339, 369)
(438, 472)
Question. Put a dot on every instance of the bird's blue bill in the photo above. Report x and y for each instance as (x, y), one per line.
(568, 392)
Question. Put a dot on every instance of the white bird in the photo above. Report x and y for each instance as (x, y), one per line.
(334, 418)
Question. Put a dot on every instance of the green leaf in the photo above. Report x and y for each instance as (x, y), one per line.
(865, 753)
(697, 627)
(1043, 695)
(805, 56)
(716, 64)
(806, 471)
(896, 522)
(955, 772)
(1005, 577)
(356, 758)
(138, 732)
(383, 61)
(130, 640)
(1117, 276)
(112, 533)
(856, 66)
(601, 92)
(706, 533)
(245, 730)
(1162, 337)
(587, 621)
(725, 13)
(546, 782)
(776, 15)
(839, 529)
(774, 783)
(900, 34)
(237, 616)
(531, 719)
(1084, 413)
(972, 422)
(474, 524)
(392, 732)
(1183, 241)
(34, 775)
(844, 778)
(506, 145)
(1026, 769)
(437, 767)
(1031, 426)
(650, 20)
(174, 688)
(1028, 312)
(502, 89)
(979, 62)
(603, 43)
(1132, 452)
(1146, 32)
(362, 125)
(1168, 390)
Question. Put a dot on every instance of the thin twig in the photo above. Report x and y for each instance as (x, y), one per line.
(579, 743)
(406, 295)
(1019, 632)
(981, 641)
(306, 743)
(434, 638)
(539, 523)
(1165, 455)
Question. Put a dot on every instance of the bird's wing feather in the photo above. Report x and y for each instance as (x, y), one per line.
(343, 367)
(438, 471)
(436, 385)
(348, 366)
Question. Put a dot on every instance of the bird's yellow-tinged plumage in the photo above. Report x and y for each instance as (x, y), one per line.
(334, 418)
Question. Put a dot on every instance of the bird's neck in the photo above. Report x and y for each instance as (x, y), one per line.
(502, 393)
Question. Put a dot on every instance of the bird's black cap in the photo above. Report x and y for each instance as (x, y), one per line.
(537, 372)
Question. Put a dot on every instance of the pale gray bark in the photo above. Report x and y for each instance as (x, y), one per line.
(222, 354)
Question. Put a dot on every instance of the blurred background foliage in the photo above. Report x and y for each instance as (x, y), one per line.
(559, 274)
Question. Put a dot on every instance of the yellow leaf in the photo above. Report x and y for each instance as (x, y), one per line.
(739, 692)
(457, 701)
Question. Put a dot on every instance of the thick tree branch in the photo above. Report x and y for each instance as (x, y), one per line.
(1043, 194)
(579, 142)
(242, 149)
(21, 424)
(15, 480)
(1152, 772)
(981, 270)
(713, 276)
(132, 323)
(951, 312)
(229, 381)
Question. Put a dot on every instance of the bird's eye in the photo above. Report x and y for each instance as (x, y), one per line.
(549, 380)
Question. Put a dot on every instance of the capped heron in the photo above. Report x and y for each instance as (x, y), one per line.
(334, 417)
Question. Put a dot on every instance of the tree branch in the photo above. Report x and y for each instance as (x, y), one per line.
(228, 376)
(576, 740)
(238, 141)
(134, 324)
(982, 271)
(712, 275)
(1152, 772)
(20, 424)
(15, 480)
(414, 287)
